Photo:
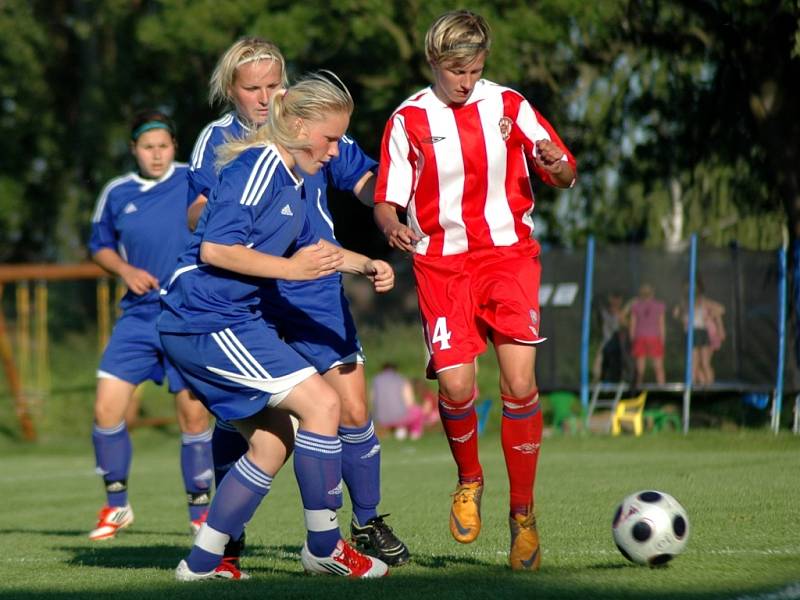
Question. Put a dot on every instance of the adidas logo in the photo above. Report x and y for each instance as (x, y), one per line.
(130, 208)
(287, 210)
(204, 476)
(372, 452)
(337, 491)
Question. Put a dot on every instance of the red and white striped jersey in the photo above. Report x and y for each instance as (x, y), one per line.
(461, 172)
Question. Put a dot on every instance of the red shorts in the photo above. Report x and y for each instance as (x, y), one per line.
(465, 297)
(648, 346)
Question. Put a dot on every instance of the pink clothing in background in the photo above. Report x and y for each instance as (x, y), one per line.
(648, 315)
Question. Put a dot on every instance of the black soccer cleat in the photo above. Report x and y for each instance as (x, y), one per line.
(377, 539)
(233, 551)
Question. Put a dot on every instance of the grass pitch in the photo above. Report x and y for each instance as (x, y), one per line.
(740, 490)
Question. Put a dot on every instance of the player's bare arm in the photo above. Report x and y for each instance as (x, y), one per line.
(552, 159)
(310, 262)
(398, 235)
(195, 210)
(364, 189)
(379, 272)
(137, 280)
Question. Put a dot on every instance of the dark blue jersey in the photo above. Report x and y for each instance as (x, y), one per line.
(144, 221)
(257, 203)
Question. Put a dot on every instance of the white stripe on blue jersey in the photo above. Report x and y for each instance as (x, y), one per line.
(103, 198)
(260, 176)
(205, 135)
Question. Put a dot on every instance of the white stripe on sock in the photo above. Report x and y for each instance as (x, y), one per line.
(321, 520)
(211, 540)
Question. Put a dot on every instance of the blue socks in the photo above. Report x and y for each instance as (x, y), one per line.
(361, 470)
(227, 446)
(235, 502)
(318, 470)
(112, 451)
(197, 468)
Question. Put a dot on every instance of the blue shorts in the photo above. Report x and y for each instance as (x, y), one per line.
(314, 318)
(134, 352)
(238, 371)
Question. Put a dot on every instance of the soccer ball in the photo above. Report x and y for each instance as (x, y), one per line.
(650, 528)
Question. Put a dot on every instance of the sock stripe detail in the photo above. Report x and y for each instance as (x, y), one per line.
(211, 540)
(193, 438)
(110, 430)
(357, 436)
(317, 444)
(516, 415)
(320, 520)
(253, 474)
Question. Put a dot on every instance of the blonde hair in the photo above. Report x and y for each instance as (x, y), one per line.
(457, 37)
(243, 51)
(311, 98)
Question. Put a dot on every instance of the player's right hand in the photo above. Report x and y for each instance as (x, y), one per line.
(317, 260)
(401, 236)
(138, 281)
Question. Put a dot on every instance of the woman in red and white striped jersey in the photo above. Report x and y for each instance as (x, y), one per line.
(456, 158)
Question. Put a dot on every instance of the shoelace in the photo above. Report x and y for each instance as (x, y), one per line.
(227, 564)
(353, 559)
(464, 494)
(383, 532)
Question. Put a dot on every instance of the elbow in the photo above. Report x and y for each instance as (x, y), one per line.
(209, 254)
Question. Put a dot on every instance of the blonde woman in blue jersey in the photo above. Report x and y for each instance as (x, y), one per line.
(315, 317)
(255, 231)
(137, 234)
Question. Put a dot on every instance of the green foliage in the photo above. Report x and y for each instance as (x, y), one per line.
(644, 92)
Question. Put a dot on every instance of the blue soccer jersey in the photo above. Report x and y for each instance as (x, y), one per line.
(203, 174)
(144, 221)
(257, 203)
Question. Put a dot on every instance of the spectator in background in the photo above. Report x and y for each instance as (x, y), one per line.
(647, 332)
(708, 332)
(611, 359)
(429, 402)
(393, 405)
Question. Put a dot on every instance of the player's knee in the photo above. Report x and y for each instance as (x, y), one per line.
(520, 386)
(328, 406)
(354, 412)
(459, 390)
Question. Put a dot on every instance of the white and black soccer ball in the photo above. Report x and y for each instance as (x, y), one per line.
(650, 528)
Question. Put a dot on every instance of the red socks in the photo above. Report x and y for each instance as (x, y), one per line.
(521, 434)
(461, 428)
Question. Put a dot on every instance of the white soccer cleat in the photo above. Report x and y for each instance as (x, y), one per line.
(225, 570)
(111, 519)
(345, 561)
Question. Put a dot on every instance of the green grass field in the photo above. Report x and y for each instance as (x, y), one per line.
(740, 490)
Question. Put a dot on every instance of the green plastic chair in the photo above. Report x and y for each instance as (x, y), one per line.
(660, 419)
(565, 419)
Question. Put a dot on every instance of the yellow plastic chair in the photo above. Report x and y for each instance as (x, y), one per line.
(629, 411)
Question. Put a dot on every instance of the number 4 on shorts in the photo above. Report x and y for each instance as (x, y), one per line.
(440, 334)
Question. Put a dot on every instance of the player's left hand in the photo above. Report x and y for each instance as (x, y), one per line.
(381, 274)
(549, 155)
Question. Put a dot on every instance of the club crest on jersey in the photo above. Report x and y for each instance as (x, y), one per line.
(505, 127)
(432, 139)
